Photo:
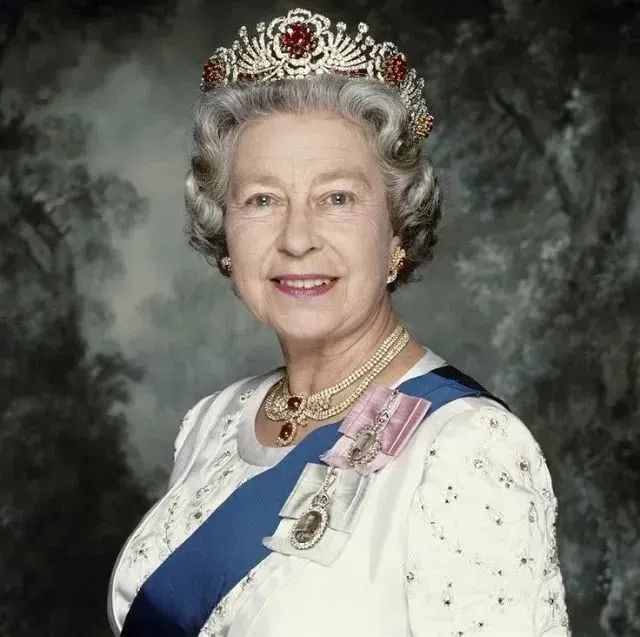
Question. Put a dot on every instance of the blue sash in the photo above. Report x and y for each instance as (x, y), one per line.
(178, 597)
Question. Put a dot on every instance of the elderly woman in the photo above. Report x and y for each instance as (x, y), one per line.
(364, 488)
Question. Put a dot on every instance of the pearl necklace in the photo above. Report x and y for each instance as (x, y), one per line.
(280, 405)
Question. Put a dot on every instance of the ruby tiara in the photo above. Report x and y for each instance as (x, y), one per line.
(301, 43)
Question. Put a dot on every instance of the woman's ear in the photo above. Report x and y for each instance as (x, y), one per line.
(395, 243)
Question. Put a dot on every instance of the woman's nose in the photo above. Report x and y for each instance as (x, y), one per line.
(298, 235)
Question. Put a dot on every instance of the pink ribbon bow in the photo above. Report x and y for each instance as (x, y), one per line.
(406, 413)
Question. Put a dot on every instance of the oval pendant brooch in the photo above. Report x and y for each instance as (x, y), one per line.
(365, 447)
(368, 441)
(312, 524)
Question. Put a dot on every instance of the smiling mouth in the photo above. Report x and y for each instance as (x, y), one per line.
(304, 288)
(305, 284)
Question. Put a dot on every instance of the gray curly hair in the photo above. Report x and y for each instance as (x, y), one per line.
(414, 196)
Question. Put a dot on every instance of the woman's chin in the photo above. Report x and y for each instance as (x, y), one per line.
(302, 329)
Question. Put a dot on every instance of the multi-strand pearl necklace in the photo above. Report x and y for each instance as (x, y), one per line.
(295, 410)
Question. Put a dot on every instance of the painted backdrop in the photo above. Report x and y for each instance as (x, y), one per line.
(112, 327)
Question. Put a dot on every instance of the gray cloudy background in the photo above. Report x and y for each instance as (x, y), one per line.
(112, 327)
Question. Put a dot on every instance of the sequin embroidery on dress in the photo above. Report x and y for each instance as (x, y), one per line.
(481, 538)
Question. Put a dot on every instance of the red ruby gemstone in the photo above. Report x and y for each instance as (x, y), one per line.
(214, 71)
(298, 39)
(395, 69)
(286, 431)
(294, 402)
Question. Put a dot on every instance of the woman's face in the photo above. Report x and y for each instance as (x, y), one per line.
(306, 196)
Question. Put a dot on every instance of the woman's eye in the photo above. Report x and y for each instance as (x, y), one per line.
(339, 198)
(260, 201)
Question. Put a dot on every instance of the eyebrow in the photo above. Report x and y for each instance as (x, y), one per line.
(331, 175)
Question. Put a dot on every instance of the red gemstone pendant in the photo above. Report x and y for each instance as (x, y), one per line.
(287, 433)
(294, 403)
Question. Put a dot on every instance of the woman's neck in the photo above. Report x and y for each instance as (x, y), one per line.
(311, 370)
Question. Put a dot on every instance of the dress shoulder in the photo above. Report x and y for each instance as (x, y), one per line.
(176, 514)
(195, 422)
(481, 542)
(188, 421)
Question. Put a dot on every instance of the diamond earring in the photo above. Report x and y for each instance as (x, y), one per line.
(225, 262)
(397, 263)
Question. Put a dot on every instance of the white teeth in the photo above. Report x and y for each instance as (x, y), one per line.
(304, 283)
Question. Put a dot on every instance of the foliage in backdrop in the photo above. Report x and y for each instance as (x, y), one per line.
(68, 496)
(541, 125)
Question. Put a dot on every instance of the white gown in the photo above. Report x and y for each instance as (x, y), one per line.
(455, 537)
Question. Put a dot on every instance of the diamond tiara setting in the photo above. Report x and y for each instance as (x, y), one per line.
(301, 44)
